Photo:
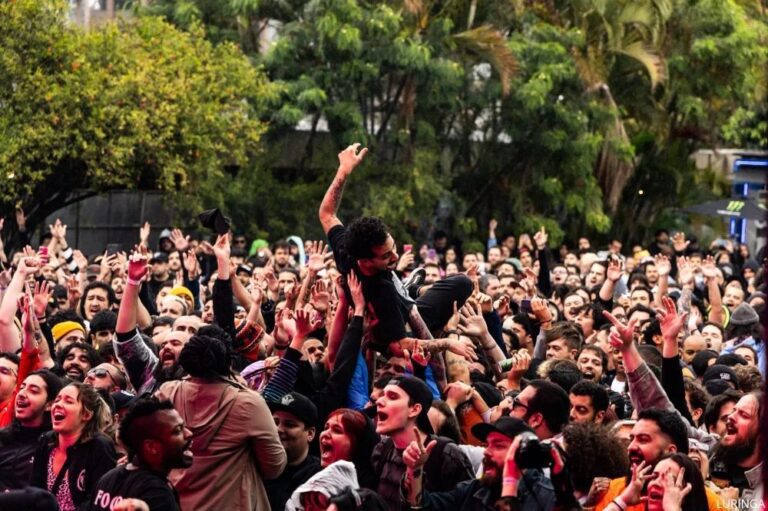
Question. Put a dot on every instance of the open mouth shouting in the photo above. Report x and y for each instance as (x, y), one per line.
(167, 358)
(75, 372)
(58, 416)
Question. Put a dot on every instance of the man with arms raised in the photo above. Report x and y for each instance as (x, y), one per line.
(145, 370)
(367, 247)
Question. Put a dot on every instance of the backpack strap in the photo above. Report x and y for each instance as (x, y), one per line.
(434, 462)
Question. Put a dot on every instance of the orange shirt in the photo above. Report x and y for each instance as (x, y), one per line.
(617, 486)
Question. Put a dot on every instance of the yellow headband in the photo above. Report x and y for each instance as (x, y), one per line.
(63, 328)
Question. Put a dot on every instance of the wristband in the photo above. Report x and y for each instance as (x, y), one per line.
(620, 503)
(132, 282)
(511, 481)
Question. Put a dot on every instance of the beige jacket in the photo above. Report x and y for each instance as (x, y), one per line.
(235, 444)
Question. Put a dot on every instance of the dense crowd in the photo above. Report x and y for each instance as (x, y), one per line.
(357, 374)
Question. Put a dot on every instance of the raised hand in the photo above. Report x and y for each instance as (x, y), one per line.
(406, 260)
(317, 252)
(257, 295)
(285, 328)
(58, 230)
(540, 309)
(472, 272)
(138, 267)
(73, 291)
(320, 297)
(670, 322)
(709, 268)
(305, 323)
(679, 242)
(272, 284)
(42, 295)
(416, 454)
(663, 266)
(80, 260)
(492, 225)
(356, 290)
(179, 240)
(191, 264)
(613, 273)
(684, 271)
(221, 248)
(623, 337)
(350, 158)
(502, 306)
(472, 322)
(144, 231)
(28, 266)
(541, 237)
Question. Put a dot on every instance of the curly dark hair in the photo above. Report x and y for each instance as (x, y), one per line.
(111, 298)
(132, 436)
(205, 357)
(90, 352)
(104, 320)
(593, 451)
(365, 233)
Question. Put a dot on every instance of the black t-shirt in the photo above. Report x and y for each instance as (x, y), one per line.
(384, 292)
(280, 490)
(122, 483)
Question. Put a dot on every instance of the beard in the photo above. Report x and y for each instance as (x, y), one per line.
(736, 453)
(164, 374)
(491, 481)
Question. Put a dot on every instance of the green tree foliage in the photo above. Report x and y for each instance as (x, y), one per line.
(139, 104)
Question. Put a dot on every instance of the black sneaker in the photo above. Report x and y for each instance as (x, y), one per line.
(414, 282)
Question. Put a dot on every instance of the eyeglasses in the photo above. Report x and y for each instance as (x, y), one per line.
(516, 403)
(7, 371)
(312, 349)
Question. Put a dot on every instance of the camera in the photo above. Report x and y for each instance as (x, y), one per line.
(532, 452)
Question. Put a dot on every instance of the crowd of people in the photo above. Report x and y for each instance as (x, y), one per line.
(355, 373)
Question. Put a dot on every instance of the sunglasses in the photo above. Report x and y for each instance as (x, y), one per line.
(312, 349)
(101, 373)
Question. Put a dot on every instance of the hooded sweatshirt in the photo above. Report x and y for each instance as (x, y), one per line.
(234, 441)
(330, 481)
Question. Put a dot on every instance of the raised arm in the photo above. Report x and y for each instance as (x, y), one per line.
(349, 158)
(9, 334)
(709, 269)
(612, 275)
(664, 267)
(128, 313)
(671, 373)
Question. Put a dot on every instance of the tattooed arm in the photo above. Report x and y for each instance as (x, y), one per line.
(349, 158)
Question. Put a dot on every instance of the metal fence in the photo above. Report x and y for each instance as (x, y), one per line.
(114, 217)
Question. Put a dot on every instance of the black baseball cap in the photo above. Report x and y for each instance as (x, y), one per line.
(159, 257)
(298, 405)
(720, 372)
(418, 391)
(507, 426)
